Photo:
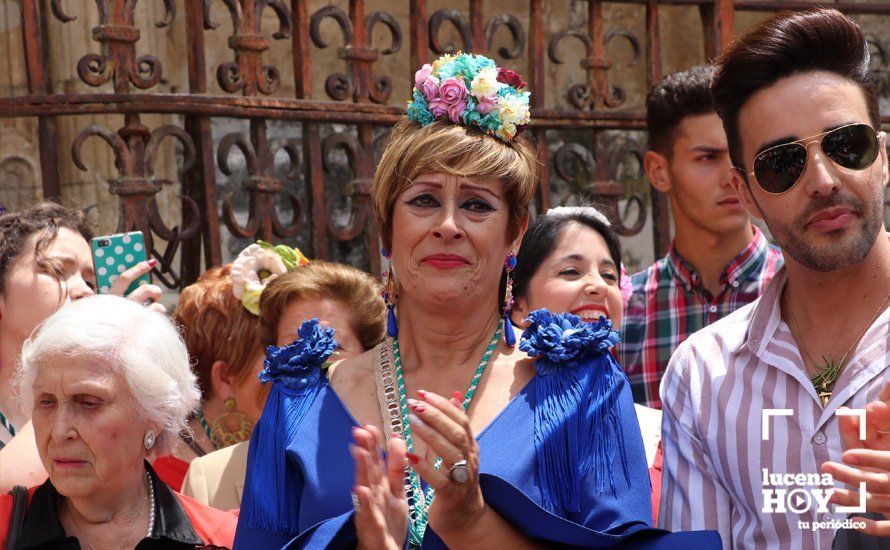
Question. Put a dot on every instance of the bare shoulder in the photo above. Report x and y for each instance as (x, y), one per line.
(353, 371)
(354, 383)
(20, 463)
(510, 372)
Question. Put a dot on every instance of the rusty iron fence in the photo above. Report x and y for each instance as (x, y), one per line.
(358, 102)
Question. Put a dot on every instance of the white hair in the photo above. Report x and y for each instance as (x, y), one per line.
(141, 345)
(585, 211)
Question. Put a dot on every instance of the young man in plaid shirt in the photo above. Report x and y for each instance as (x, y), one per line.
(718, 262)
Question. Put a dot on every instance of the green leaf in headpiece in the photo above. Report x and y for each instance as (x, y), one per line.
(292, 258)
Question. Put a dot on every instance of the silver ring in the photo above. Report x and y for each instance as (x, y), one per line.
(459, 473)
(355, 503)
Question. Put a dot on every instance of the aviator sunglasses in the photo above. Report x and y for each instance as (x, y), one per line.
(779, 168)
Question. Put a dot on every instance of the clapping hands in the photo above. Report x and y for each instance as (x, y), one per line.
(381, 509)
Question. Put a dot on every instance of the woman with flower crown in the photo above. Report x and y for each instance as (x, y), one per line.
(447, 434)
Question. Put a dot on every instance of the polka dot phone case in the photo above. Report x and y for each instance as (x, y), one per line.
(114, 254)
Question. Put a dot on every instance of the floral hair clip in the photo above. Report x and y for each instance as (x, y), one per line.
(590, 211)
(626, 285)
(471, 90)
(257, 265)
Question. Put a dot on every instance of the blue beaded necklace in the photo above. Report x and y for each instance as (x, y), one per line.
(418, 500)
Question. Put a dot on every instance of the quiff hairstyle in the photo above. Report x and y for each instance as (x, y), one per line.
(353, 288)
(216, 326)
(673, 98)
(43, 219)
(458, 150)
(787, 44)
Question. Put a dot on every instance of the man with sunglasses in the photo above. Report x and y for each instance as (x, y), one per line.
(751, 403)
(718, 261)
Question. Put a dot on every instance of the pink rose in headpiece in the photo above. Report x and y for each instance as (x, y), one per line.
(426, 82)
(510, 78)
(438, 107)
(453, 90)
(456, 110)
(485, 105)
(422, 74)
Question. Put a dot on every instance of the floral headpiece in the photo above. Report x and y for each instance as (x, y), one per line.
(471, 90)
(257, 266)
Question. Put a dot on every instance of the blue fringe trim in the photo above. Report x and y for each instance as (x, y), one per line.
(273, 507)
(295, 372)
(578, 430)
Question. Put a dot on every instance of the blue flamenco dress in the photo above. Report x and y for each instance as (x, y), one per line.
(563, 462)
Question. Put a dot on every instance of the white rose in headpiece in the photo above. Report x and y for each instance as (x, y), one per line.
(251, 271)
(485, 84)
(514, 109)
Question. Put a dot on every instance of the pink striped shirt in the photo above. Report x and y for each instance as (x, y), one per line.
(714, 391)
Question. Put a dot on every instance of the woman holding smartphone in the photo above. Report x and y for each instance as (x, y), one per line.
(45, 263)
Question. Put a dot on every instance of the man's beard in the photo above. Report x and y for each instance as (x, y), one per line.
(827, 255)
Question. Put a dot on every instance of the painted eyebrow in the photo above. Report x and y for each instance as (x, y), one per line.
(477, 188)
(481, 189)
(789, 139)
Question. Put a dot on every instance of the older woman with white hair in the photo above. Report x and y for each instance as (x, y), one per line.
(108, 385)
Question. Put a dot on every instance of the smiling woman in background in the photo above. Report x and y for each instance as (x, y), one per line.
(570, 261)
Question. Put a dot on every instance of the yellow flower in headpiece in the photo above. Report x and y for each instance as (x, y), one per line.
(507, 131)
(250, 297)
(258, 265)
(445, 59)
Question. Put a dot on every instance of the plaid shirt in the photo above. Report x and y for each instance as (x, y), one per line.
(669, 303)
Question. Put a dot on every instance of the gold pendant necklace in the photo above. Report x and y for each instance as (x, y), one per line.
(830, 370)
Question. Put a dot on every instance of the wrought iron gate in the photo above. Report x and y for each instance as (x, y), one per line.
(572, 125)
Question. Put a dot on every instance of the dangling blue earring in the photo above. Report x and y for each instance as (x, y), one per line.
(389, 296)
(510, 265)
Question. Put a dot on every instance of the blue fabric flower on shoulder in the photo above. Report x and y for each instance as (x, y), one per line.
(577, 418)
(559, 340)
(299, 364)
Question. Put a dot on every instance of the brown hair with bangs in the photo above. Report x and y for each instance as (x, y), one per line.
(353, 288)
(458, 150)
(217, 327)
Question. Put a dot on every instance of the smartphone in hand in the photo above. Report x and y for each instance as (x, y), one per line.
(114, 254)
